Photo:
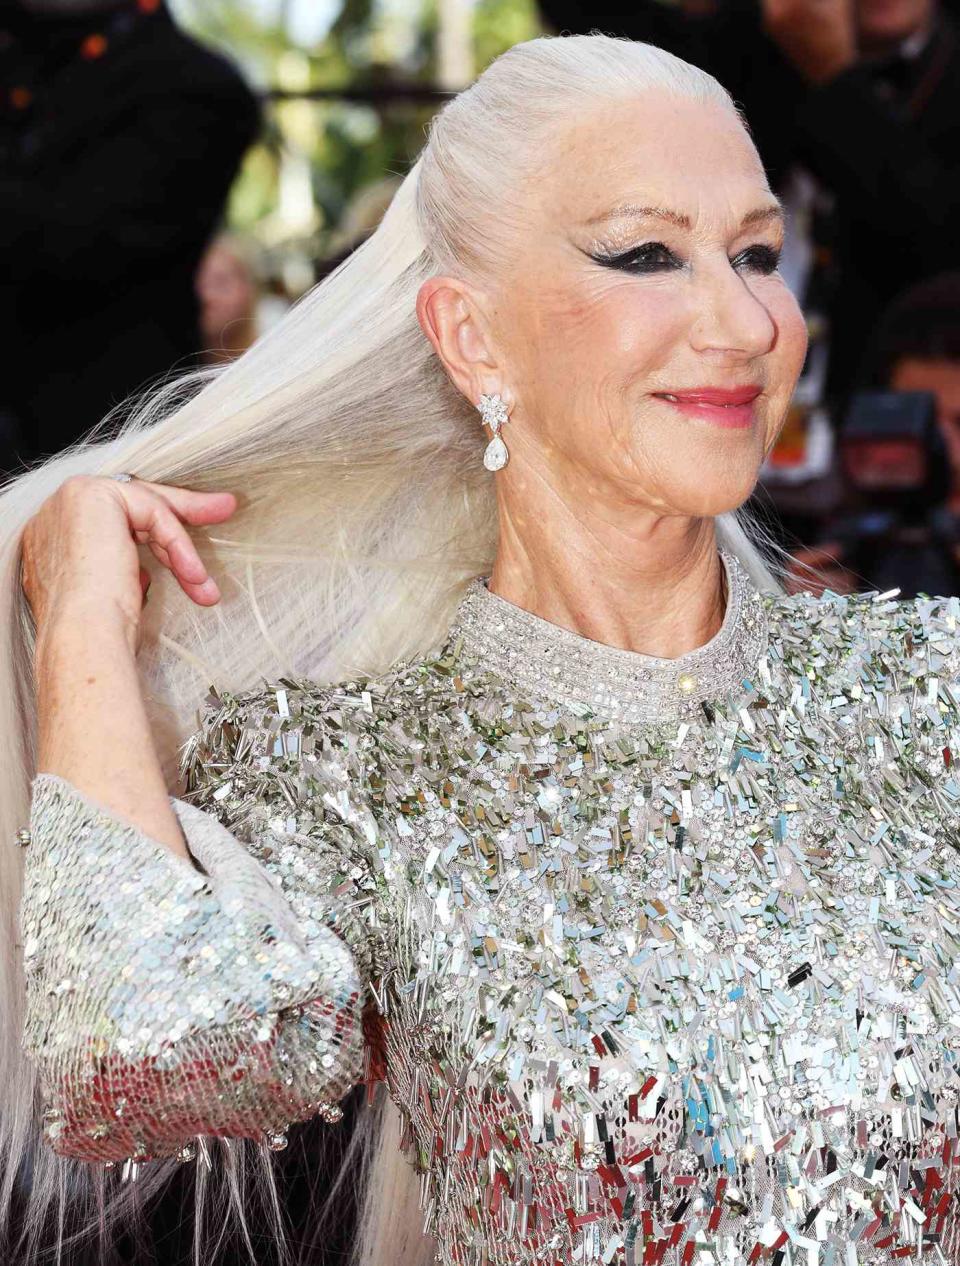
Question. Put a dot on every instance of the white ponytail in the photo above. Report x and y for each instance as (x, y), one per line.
(364, 511)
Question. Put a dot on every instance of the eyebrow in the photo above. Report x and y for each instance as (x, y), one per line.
(759, 215)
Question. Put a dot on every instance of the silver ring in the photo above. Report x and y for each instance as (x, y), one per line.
(124, 477)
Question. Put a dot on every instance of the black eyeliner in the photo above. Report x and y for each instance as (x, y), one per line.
(626, 260)
(636, 254)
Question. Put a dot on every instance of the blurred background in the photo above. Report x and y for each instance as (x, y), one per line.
(175, 173)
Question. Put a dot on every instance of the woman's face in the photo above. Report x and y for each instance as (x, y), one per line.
(646, 268)
(224, 287)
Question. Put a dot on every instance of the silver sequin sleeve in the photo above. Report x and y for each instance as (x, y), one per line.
(163, 1002)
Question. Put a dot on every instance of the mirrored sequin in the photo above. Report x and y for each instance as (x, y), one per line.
(663, 974)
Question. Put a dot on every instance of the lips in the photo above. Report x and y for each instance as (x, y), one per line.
(728, 408)
(712, 395)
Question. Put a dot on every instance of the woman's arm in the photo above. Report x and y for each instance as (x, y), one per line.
(81, 574)
(162, 1003)
(92, 723)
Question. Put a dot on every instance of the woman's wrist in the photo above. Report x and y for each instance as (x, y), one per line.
(92, 724)
(95, 626)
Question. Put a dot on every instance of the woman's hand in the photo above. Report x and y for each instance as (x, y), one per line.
(79, 550)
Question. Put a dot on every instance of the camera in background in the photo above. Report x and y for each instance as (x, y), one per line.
(898, 529)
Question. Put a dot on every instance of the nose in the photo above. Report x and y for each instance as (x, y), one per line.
(729, 316)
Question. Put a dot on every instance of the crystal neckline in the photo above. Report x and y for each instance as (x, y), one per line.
(554, 664)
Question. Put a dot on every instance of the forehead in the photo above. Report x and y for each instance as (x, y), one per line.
(694, 157)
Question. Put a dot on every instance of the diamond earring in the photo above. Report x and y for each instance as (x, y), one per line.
(494, 413)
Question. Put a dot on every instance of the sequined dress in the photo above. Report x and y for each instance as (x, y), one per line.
(662, 954)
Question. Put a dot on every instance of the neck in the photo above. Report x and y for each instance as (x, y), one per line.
(650, 584)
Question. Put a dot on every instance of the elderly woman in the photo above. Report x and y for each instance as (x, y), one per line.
(528, 792)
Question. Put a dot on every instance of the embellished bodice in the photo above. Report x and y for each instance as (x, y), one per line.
(671, 946)
(666, 950)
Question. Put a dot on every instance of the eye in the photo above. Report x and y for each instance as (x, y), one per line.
(648, 258)
(761, 259)
(653, 257)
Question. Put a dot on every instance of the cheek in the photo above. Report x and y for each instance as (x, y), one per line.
(646, 325)
(787, 355)
(784, 362)
(605, 334)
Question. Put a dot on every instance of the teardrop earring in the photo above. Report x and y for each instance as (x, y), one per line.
(494, 413)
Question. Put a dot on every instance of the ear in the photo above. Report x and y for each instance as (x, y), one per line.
(450, 312)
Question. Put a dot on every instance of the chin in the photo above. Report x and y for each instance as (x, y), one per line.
(705, 489)
(710, 503)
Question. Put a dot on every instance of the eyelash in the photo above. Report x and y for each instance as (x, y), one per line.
(639, 259)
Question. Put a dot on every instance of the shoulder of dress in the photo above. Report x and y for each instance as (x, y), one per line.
(922, 632)
(289, 715)
(880, 609)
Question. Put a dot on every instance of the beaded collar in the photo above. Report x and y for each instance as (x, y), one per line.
(556, 665)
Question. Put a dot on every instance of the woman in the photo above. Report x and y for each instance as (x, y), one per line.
(530, 792)
(228, 293)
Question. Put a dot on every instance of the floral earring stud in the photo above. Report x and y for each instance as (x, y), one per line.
(494, 413)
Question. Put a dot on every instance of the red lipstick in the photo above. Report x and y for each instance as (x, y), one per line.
(730, 407)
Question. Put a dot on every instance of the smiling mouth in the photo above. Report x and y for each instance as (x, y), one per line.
(717, 397)
(714, 404)
(730, 408)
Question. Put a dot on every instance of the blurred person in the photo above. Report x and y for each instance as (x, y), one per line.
(914, 348)
(855, 108)
(361, 217)
(229, 296)
(917, 348)
(119, 139)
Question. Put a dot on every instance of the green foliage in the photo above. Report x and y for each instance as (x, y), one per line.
(298, 184)
(499, 24)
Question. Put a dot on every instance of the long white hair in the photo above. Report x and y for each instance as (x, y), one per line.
(364, 512)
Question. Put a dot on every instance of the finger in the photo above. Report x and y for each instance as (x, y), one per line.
(153, 521)
(209, 591)
(159, 553)
(195, 508)
(168, 535)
